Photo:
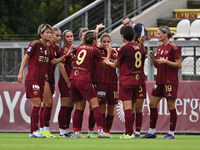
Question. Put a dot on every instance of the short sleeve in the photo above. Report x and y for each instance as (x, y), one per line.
(31, 49)
(62, 53)
(51, 55)
(177, 53)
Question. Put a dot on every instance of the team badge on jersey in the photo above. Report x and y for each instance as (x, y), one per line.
(166, 52)
(29, 49)
(35, 92)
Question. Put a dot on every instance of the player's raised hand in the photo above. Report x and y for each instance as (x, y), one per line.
(98, 27)
(109, 48)
(116, 53)
(142, 39)
(151, 54)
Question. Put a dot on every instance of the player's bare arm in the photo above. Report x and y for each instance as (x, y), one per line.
(98, 27)
(58, 60)
(141, 41)
(64, 74)
(176, 64)
(23, 64)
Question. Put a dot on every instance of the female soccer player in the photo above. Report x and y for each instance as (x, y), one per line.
(81, 84)
(129, 60)
(38, 56)
(64, 85)
(45, 112)
(137, 111)
(106, 80)
(167, 61)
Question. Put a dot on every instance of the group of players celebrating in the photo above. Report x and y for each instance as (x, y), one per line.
(88, 73)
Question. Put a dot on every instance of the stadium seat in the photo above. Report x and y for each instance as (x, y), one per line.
(198, 66)
(197, 48)
(194, 39)
(195, 28)
(183, 28)
(197, 51)
(188, 66)
(180, 39)
(153, 39)
(187, 51)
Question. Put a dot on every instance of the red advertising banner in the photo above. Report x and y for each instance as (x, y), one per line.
(15, 110)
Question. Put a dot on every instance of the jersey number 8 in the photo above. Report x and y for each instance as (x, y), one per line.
(138, 61)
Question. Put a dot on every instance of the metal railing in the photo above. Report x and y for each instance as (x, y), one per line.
(12, 53)
(108, 12)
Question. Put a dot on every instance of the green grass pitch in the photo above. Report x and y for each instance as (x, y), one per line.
(21, 141)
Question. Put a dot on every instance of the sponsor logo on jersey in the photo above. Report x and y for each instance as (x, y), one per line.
(29, 49)
(43, 59)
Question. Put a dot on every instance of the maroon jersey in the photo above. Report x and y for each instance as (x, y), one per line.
(38, 62)
(51, 68)
(68, 63)
(107, 75)
(84, 62)
(131, 61)
(165, 73)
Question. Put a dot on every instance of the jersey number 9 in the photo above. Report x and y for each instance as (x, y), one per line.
(81, 57)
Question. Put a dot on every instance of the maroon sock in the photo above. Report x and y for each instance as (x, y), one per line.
(133, 114)
(109, 122)
(173, 119)
(46, 116)
(62, 117)
(153, 117)
(81, 122)
(98, 117)
(31, 125)
(78, 114)
(41, 114)
(69, 112)
(35, 118)
(91, 121)
(129, 122)
(103, 120)
(138, 121)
